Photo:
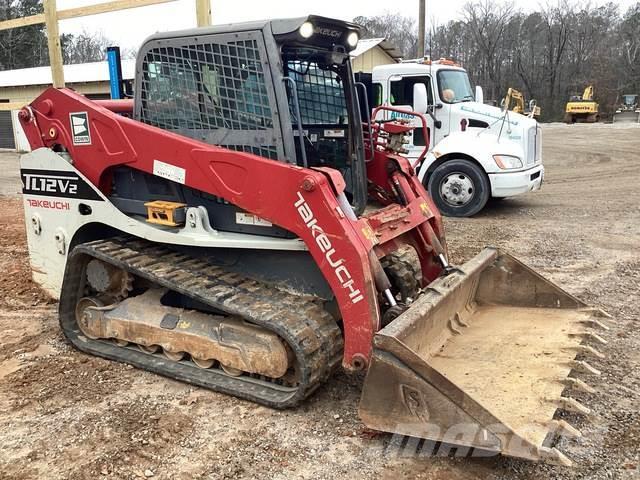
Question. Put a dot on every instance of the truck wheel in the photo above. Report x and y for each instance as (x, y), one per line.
(459, 188)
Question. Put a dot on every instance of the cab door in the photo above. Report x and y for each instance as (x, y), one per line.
(400, 90)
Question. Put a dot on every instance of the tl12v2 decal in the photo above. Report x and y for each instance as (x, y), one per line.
(55, 183)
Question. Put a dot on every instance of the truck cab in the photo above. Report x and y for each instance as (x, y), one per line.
(476, 151)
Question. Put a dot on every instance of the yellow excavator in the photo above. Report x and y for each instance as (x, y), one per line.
(582, 109)
(514, 101)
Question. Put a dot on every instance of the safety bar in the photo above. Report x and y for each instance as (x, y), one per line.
(117, 106)
(368, 116)
(296, 111)
(423, 119)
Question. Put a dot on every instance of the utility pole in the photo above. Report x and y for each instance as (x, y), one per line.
(421, 21)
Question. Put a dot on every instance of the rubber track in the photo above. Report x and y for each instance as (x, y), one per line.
(306, 327)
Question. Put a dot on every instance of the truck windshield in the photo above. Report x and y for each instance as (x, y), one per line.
(454, 86)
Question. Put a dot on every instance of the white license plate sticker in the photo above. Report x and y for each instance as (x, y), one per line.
(334, 133)
(170, 172)
(243, 218)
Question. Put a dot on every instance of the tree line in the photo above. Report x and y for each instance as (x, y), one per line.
(548, 54)
(26, 47)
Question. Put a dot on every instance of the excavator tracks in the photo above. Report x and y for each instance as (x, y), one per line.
(309, 331)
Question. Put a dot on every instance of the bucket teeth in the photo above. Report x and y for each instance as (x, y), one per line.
(578, 384)
(554, 456)
(597, 338)
(572, 405)
(590, 350)
(597, 312)
(564, 429)
(453, 327)
(584, 367)
(595, 323)
(590, 336)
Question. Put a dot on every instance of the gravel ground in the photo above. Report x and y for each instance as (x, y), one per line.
(64, 415)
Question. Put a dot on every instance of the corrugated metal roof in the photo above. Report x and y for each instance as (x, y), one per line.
(367, 44)
(79, 73)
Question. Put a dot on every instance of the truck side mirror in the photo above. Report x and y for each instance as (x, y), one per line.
(479, 94)
(420, 101)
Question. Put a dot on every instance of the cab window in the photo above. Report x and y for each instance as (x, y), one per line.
(377, 95)
(401, 91)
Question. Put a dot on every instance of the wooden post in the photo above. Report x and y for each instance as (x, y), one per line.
(53, 40)
(203, 13)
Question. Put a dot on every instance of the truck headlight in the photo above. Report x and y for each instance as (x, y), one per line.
(306, 29)
(507, 162)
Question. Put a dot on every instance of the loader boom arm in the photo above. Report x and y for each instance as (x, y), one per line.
(301, 200)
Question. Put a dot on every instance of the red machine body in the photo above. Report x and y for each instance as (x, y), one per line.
(301, 200)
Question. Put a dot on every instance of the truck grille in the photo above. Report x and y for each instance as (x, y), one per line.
(534, 145)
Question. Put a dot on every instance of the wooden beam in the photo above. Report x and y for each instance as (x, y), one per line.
(13, 105)
(22, 22)
(203, 13)
(53, 41)
(81, 12)
(107, 7)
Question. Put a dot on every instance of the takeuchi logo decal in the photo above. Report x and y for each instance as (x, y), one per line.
(328, 32)
(323, 241)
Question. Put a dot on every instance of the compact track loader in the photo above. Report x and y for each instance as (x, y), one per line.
(237, 226)
(628, 110)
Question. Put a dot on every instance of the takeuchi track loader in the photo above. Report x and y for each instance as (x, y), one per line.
(238, 226)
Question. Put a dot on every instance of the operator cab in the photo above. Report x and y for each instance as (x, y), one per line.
(280, 89)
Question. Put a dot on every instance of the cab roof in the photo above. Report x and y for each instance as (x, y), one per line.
(410, 68)
(279, 26)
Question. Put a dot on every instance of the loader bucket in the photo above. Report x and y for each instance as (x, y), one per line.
(481, 361)
(626, 117)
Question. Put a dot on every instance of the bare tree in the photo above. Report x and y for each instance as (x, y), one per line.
(84, 47)
(487, 22)
(548, 54)
(402, 31)
(25, 46)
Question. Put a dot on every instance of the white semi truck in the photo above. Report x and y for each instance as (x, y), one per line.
(477, 151)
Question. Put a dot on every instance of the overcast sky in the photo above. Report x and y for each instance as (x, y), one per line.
(129, 28)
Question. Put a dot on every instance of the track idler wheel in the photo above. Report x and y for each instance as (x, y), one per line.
(149, 348)
(203, 363)
(82, 315)
(175, 356)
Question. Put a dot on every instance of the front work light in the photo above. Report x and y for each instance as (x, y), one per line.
(306, 29)
(352, 39)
